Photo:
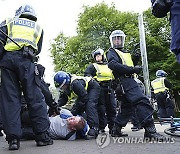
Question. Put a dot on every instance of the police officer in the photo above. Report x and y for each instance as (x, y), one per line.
(128, 91)
(107, 102)
(22, 39)
(87, 91)
(160, 8)
(161, 88)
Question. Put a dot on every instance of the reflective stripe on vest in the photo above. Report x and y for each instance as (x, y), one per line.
(125, 57)
(86, 79)
(74, 77)
(23, 31)
(103, 73)
(158, 85)
(72, 97)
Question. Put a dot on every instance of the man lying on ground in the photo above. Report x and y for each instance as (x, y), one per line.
(63, 126)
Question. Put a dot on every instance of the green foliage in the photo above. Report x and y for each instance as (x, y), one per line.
(95, 25)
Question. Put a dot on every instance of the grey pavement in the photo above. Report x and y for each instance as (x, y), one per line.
(133, 144)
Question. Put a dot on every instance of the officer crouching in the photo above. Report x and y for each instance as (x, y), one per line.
(86, 90)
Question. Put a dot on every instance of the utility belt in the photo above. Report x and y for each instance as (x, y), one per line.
(105, 83)
(163, 92)
(26, 52)
(127, 76)
(118, 87)
(118, 80)
(29, 53)
(166, 93)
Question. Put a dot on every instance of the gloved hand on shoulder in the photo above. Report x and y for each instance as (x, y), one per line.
(54, 109)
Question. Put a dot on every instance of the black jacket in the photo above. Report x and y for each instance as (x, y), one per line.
(78, 87)
(115, 64)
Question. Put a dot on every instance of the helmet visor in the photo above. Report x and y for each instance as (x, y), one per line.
(117, 41)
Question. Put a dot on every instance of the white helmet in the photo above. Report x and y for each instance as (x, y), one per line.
(161, 73)
(97, 51)
(26, 11)
(117, 35)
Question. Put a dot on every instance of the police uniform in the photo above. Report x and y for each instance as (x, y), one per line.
(107, 102)
(1, 124)
(87, 91)
(175, 27)
(161, 90)
(129, 92)
(18, 71)
(134, 118)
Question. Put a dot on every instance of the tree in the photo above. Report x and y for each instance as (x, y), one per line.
(95, 25)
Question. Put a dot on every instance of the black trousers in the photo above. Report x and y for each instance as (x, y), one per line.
(18, 74)
(106, 108)
(91, 105)
(165, 105)
(133, 99)
(134, 118)
(1, 124)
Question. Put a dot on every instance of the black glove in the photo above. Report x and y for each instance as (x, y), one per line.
(137, 69)
(160, 8)
(54, 109)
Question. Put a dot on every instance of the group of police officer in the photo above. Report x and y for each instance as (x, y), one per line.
(20, 42)
(116, 77)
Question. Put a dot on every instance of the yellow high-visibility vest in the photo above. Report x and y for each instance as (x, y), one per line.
(86, 79)
(158, 85)
(23, 31)
(125, 57)
(103, 73)
(74, 77)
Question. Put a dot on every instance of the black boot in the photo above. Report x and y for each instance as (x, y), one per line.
(93, 132)
(151, 134)
(1, 134)
(14, 144)
(43, 139)
(1, 128)
(101, 131)
(116, 131)
(110, 128)
(135, 128)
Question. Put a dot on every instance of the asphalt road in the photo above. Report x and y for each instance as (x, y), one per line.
(133, 144)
